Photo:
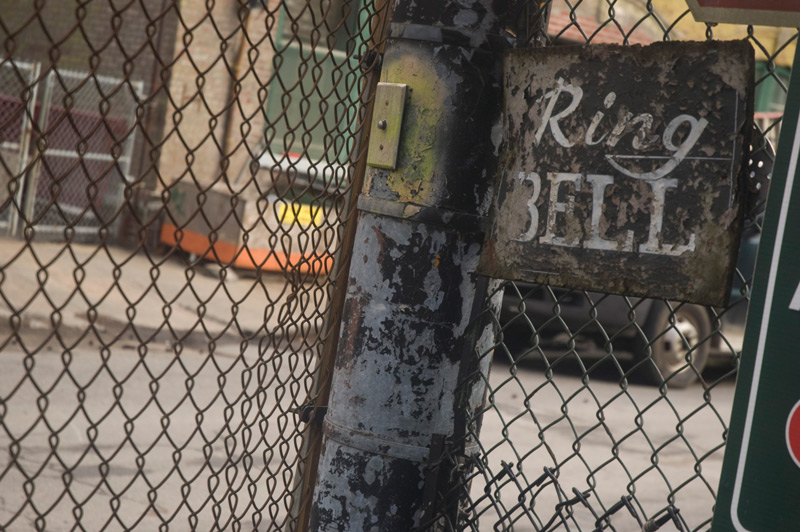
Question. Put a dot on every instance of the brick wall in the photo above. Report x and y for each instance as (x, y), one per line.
(245, 131)
(218, 89)
(92, 37)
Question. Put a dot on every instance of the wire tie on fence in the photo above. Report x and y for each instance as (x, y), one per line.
(540, 484)
(506, 471)
(583, 497)
(548, 473)
(310, 413)
(580, 497)
(572, 501)
(631, 508)
(672, 515)
(604, 520)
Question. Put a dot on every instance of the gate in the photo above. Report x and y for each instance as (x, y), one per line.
(18, 93)
(179, 183)
(81, 168)
(88, 121)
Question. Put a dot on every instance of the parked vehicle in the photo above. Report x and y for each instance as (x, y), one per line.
(681, 337)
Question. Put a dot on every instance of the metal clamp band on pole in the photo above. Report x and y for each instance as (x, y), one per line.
(459, 221)
(368, 442)
(449, 35)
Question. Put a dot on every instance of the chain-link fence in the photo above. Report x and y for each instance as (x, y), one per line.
(90, 132)
(177, 179)
(606, 412)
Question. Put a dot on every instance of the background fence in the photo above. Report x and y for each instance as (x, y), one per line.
(18, 90)
(177, 179)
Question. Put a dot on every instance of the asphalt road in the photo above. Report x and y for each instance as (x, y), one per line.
(104, 433)
(140, 390)
(145, 430)
(118, 443)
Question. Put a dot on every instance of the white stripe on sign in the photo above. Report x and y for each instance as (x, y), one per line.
(795, 303)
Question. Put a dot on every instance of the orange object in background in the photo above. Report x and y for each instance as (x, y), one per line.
(240, 257)
(192, 220)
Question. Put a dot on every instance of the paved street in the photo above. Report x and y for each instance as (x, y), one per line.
(127, 409)
(147, 377)
(121, 292)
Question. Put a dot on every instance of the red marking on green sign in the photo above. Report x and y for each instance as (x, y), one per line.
(793, 433)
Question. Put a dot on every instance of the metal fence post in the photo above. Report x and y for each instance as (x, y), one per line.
(412, 285)
(318, 397)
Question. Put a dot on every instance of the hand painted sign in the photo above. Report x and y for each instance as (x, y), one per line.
(621, 168)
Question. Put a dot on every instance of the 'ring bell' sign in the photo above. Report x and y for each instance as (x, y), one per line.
(622, 168)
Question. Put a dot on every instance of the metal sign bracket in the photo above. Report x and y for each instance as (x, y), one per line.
(387, 122)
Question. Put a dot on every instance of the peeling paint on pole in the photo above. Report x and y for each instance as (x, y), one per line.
(622, 170)
(409, 335)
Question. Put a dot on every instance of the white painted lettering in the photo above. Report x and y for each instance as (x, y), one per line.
(556, 179)
(552, 120)
(534, 179)
(599, 184)
(678, 139)
(641, 140)
(655, 242)
(589, 140)
(679, 152)
(619, 130)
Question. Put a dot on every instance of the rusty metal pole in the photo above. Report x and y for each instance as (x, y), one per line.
(318, 396)
(405, 343)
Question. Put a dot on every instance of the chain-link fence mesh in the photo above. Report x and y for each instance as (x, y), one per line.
(175, 177)
(606, 412)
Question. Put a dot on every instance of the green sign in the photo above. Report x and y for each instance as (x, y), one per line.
(760, 486)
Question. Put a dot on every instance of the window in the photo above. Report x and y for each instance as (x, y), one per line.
(313, 100)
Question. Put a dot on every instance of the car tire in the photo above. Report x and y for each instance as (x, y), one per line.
(673, 345)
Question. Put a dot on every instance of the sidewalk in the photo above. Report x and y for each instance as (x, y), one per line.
(118, 293)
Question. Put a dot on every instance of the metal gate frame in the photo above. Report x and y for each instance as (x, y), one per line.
(26, 129)
(58, 78)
